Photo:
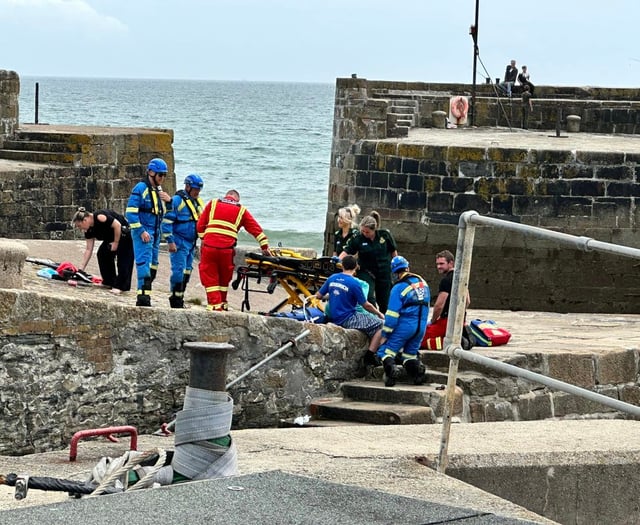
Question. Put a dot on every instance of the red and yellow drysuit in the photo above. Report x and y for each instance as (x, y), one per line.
(218, 227)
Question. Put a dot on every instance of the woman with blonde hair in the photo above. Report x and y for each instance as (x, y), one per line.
(347, 217)
(375, 247)
(113, 229)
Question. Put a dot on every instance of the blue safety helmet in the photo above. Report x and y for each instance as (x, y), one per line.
(157, 166)
(194, 180)
(399, 263)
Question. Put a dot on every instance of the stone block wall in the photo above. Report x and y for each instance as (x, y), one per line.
(421, 190)
(38, 202)
(9, 110)
(68, 365)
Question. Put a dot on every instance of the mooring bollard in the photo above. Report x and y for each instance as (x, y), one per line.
(208, 365)
(439, 119)
(573, 123)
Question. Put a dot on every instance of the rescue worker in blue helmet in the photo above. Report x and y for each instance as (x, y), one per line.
(179, 231)
(405, 322)
(145, 209)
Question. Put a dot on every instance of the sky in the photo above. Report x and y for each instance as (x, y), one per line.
(563, 42)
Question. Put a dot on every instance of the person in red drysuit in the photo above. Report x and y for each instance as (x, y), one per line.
(218, 228)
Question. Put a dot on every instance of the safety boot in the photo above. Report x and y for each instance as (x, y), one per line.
(416, 371)
(143, 300)
(176, 300)
(144, 294)
(152, 274)
(370, 358)
(390, 372)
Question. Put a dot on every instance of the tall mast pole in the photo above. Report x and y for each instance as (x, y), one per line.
(474, 34)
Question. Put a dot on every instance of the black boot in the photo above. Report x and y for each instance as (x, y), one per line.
(143, 300)
(176, 300)
(416, 371)
(152, 274)
(369, 358)
(144, 294)
(389, 371)
(185, 281)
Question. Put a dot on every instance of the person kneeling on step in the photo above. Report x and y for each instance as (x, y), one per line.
(405, 322)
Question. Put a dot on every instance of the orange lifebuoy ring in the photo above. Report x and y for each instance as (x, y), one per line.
(459, 107)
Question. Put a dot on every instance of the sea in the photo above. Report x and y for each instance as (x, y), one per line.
(271, 141)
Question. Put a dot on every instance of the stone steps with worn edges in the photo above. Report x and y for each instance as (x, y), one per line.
(371, 413)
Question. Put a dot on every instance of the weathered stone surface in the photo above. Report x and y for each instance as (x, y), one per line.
(68, 365)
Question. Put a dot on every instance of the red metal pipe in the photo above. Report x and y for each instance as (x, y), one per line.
(108, 431)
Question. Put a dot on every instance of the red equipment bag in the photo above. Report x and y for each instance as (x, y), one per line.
(488, 333)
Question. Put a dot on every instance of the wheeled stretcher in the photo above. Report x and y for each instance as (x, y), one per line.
(301, 277)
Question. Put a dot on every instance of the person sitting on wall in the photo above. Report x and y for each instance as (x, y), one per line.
(344, 293)
(523, 80)
(510, 75)
(437, 328)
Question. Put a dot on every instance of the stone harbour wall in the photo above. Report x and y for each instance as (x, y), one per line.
(421, 186)
(69, 365)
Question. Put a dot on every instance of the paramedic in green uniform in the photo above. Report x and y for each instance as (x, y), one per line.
(375, 247)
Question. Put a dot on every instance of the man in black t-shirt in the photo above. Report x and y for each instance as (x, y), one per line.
(437, 328)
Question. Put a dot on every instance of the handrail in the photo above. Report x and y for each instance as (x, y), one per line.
(466, 233)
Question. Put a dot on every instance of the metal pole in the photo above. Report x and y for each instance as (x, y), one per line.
(545, 380)
(304, 333)
(474, 34)
(457, 308)
(37, 102)
(200, 376)
(585, 244)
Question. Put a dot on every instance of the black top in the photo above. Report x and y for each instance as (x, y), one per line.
(103, 230)
(445, 286)
(510, 74)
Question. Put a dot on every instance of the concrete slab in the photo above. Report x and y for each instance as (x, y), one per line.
(270, 497)
(379, 458)
(520, 139)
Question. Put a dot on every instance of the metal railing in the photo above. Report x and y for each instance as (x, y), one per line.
(466, 233)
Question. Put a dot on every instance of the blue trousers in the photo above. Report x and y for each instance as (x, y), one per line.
(181, 260)
(405, 338)
(147, 254)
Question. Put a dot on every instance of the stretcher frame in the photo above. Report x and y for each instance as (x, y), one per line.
(300, 277)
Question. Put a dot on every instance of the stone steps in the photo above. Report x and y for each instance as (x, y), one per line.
(45, 147)
(40, 145)
(370, 412)
(43, 157)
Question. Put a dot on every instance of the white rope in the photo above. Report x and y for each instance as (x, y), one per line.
(149, 477)
(117, 470)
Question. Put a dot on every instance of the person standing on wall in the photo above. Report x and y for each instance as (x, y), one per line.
(180, 234)
(115, 255)
(404, 323)
(347, 227)
(218, 227)
(145, 210)
(375, 248)
(527, 106)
